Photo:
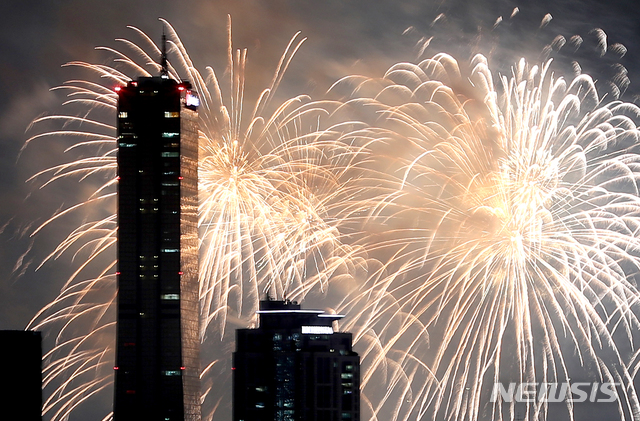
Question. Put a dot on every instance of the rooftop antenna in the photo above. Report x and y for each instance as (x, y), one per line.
(164, 72)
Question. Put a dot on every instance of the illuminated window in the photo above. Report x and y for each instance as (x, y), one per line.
(192, 100)
(170, 296)
(170, 250)
(123, 114)
(170, 134)
(171, 372)
(347, 375)
(170, 154)
(322, 330)
(171, 114)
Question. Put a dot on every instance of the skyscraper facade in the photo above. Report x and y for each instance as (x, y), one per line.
(157, 362)
(21, 356)
(295, 367)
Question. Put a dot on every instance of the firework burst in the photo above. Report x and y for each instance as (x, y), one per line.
(513, 214)
(267, 187)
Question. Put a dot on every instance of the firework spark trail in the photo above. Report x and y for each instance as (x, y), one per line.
(514, 213)
(271, 187)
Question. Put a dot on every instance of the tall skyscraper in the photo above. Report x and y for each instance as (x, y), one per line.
(157, 363)
(295, 367)
(21, 356)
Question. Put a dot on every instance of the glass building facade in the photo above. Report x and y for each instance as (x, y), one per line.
(157, 360)
(295, 367)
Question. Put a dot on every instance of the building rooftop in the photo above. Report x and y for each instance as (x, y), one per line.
(289, 315)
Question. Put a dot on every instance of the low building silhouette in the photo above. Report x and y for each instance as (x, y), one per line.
(21, 353)
(295, 367)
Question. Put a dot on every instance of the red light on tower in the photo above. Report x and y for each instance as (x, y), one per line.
(117, 88)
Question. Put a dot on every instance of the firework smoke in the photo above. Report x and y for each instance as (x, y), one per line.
(502, 213)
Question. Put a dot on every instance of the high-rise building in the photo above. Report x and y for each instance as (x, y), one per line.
(295, 367)
(21, 356)
(157, 362)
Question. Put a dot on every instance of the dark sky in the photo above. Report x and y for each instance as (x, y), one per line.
(344, 37)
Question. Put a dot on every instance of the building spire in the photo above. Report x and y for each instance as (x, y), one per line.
(164, 71)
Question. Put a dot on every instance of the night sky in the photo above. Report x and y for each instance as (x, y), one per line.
(344, 37)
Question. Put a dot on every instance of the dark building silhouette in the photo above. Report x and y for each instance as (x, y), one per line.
(295, 367)
(21, 355)
(157, 362)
